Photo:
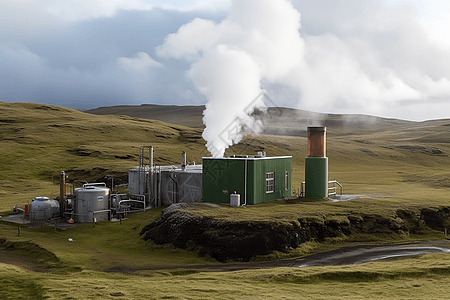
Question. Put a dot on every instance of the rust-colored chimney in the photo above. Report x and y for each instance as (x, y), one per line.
(317, 146)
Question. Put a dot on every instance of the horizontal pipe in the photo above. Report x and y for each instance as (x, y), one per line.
(94, 184)
(99, 211)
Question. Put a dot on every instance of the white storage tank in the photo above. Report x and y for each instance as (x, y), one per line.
(91, 201)
(43, 209)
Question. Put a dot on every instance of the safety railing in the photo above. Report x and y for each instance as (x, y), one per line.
(333, 189)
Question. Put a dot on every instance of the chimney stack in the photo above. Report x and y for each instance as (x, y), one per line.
(316, 164)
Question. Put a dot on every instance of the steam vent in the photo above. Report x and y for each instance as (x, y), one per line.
(316, 164)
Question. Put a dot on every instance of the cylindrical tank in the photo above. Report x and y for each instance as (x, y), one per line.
(42, 209)
(316, 164)
(316, 177)
(137, 183)
(91, 201)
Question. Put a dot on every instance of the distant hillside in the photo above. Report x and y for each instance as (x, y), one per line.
(190, 116)
(276, 120)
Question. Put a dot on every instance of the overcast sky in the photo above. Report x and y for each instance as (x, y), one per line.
(388, 58)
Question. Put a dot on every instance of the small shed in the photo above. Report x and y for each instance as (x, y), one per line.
(257, 179)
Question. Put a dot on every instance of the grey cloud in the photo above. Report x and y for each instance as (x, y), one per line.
(78, 64)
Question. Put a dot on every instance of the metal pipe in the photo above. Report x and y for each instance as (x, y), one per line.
(94, 184)
(159, 190)
(183, 161)
(335, 182)
(131, 200)
(99, 211)
(62, 193)
(74, 214)
(150, 165)
(245, 181)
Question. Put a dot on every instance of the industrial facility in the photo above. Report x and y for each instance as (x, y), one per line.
(237, 180)
(164, 185)
(256, 178)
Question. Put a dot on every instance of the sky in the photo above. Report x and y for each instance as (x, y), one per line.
(387, 58)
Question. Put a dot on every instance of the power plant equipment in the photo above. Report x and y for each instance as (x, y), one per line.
(91, 201)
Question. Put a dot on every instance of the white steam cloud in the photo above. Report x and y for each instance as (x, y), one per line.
(258, 40)
(366, 59)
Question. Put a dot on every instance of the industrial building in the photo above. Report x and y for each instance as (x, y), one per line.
(256, 178)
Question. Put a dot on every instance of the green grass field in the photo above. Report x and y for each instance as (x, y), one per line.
(395, 165)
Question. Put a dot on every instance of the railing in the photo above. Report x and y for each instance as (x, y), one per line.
(333, 188)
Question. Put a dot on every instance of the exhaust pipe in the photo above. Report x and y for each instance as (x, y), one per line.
(316, 164)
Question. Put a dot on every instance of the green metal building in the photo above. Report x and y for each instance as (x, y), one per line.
(257, 179)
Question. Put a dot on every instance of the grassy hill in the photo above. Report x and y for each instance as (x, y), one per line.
(38, 141)
(277, 120)
(190, 116)
(405, 161)
(391, 164)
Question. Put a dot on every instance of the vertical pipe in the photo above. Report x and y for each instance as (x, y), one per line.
(159, 189)
(150, 165)
(245, 181)
(183, 161)
(62, 193)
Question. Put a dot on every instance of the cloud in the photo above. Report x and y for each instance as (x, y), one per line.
(368, 60)
(141, 63)
(189, 40)
(197, 5)
(75, 10)
(95, 62)
(346, 56)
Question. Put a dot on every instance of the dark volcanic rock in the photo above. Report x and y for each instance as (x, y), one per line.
(226, 240)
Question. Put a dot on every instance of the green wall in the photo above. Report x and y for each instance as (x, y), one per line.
(316, 177)
(222, 176)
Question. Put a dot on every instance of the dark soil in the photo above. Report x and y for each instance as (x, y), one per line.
(241, 241)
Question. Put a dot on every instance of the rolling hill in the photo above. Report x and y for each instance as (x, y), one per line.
(276, 120)
(398, 170)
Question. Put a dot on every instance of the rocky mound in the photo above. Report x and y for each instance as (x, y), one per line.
(225, 240)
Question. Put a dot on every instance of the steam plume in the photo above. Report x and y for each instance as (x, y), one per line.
(258, 40)
(360, 60)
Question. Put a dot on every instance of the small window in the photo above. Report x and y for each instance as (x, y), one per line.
(286, 180)
(270, 182)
